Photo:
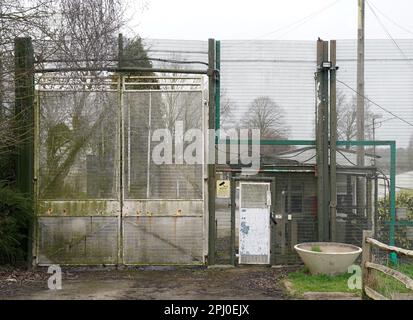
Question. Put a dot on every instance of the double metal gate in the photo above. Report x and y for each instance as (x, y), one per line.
(100, 196)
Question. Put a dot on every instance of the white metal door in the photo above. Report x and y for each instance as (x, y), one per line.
(254, 228)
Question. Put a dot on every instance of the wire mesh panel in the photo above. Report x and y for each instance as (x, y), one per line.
(275, 78)
(78, 145)
(154, 120)
(164, 163)
(78, 170)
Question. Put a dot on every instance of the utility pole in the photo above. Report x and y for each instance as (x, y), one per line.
(360, 104)
(322, 138)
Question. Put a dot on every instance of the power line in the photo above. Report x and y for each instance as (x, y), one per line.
(387, 31)
(390, 19)
(299, 22)
(380, 122)
(345, 157)
(376, 104)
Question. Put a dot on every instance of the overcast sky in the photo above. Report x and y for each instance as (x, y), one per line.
(260, 19)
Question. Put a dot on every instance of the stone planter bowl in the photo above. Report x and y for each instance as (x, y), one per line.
(334, 258)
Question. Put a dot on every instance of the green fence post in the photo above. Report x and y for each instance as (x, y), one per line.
(218, 87)
(24, 112)
(393, 255)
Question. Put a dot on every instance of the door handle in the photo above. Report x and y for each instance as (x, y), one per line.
(272, 219)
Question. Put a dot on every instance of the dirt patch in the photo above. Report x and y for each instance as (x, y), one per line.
(147, 283)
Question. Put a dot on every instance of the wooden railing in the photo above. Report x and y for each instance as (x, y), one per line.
(368, 265)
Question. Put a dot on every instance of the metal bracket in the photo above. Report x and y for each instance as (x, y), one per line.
(213, 72)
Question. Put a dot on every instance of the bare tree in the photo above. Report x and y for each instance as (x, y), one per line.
(17, 18)
(347, 118)
(267, 116)
(227, 114)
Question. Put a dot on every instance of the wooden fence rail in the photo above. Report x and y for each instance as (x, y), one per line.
(368, 265)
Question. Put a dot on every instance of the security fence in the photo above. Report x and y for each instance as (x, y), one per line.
(101, 197)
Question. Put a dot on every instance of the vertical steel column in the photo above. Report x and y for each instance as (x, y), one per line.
(24, 112)
(121, 168)
(211, 148)
(36, 172)
(121, 150)
(322, 144)
(333, 141)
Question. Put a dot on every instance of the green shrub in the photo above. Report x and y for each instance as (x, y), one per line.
(16, 215)
(404, 199)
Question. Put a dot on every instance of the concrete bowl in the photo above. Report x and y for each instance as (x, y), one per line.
(334, 258)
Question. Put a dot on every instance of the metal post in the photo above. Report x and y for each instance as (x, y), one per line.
(211, 166)
(218, 88)
(393, 256)
(360, 104)
(369, 207)
(376, 201)
(233, 207)
(24, 111)
(333, 141)
(121, 166)
(120, 50)
(322, 144)
(374, 139)
(121, 149)
(148, 173)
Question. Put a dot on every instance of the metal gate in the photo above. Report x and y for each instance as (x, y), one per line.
(100, 197)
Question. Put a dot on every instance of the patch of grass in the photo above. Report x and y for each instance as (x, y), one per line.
(302, 281)
(316, 249)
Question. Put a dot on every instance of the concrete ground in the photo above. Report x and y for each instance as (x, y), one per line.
(242, 283)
